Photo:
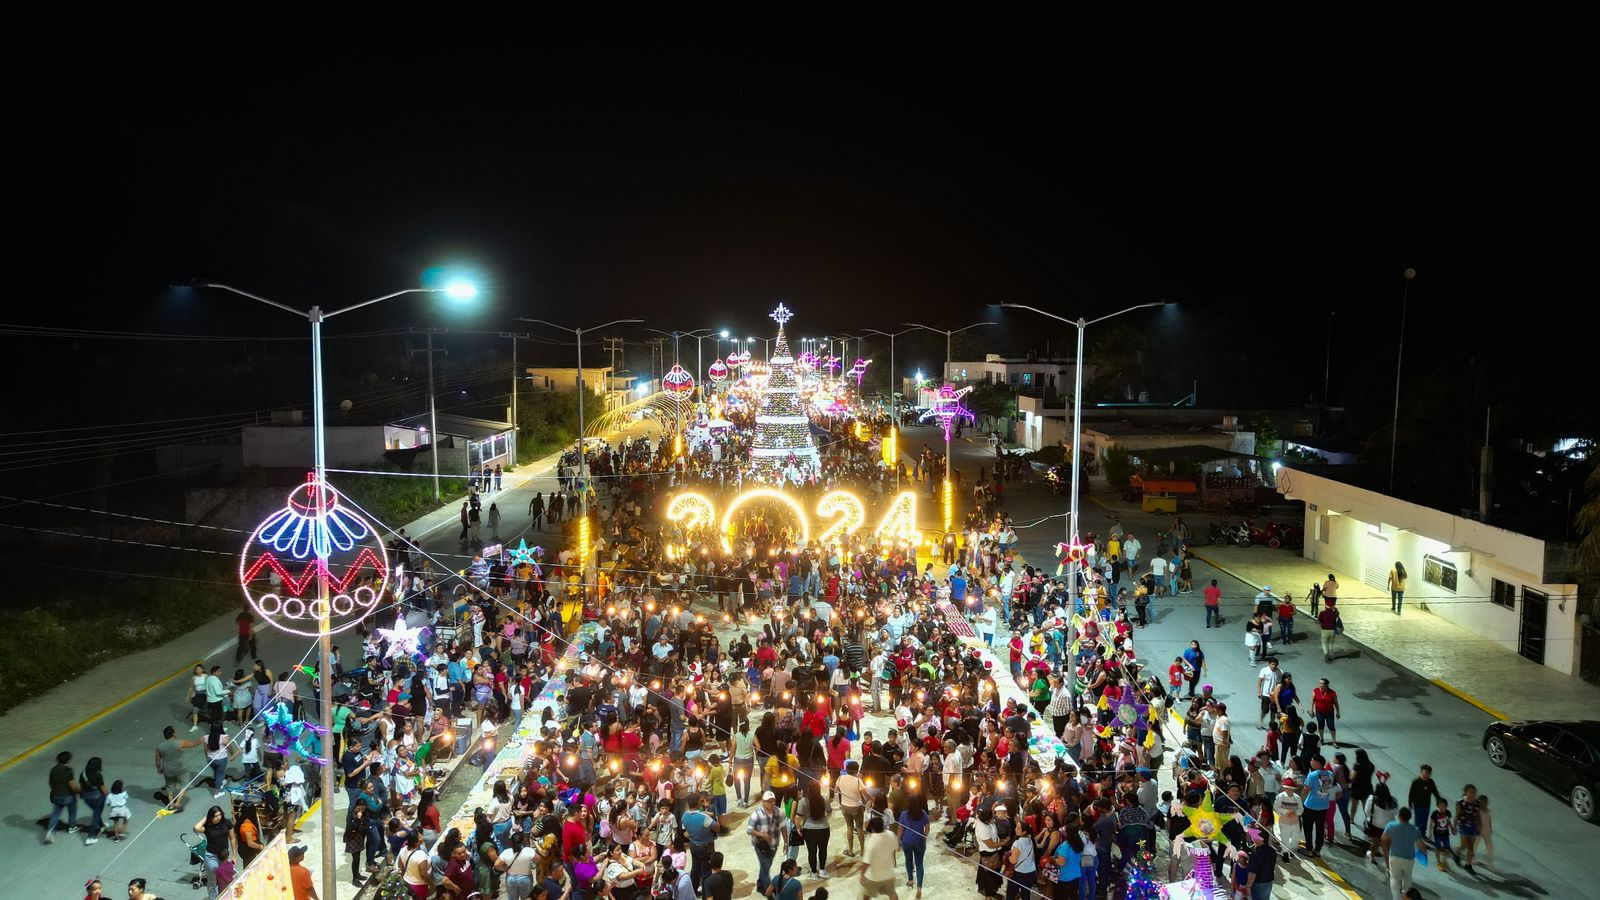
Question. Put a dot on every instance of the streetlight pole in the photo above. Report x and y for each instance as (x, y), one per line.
(319, 461)
(1077, 394)
(1394, 434)
(583, 451)
(948, 334)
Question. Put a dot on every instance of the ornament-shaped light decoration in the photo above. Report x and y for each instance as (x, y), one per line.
(718, 372)
(859, 370)
(678, 383)
(947, 407)
(313, 540)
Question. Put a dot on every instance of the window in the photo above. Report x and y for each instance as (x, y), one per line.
(1324, 526)
(1502, 594)
(1436, 571)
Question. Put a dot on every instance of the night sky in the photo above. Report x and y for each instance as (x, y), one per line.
(695, 185)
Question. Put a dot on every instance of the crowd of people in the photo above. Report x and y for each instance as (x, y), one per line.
(804, 687)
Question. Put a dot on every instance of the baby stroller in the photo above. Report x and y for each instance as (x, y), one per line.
(195, 844)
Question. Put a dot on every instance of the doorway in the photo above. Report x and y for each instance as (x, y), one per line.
(1535, 613)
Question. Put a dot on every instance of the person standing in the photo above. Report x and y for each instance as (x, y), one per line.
(536, 511)
(64, 791)
(1318, 799)
(1194, 665)
(1397, 587)
(1330, 590)
(1468, 824)
(304, 885)
(92, 790)
(1286, 611)
(1267, 681)
(1262, 867)
(1325, 704)
(465, 523)
(1222, 737)
(1402, 847)
(494, 521)
(719, 884)
(701, 828)
(220, 846)
(878, 853)
(247, 635)
(1213, 604)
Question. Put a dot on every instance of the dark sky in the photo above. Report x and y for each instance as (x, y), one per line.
(694, 184)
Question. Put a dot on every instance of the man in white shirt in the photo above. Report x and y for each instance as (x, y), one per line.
(877, 664)
(1158, 569)
(1267, 681)
(1222, 737)
(986, 621)
(1130, 553)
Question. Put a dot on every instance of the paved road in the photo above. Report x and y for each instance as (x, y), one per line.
(1402, 720)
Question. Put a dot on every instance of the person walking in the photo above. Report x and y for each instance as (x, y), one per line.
(1468, 825)
(221, 845)
(169, 765)
(1397, 587)
(811, 820)
(1330, 590)
(1194, 665)
(247, 635)
(1329, 625)
(765, 827)
(536, 511)
(1421, 796)
(1402, 846)
(1213, 604)
(466, 523)
(1261, 868)
(494, 521)
(64, 790)
(914, 823)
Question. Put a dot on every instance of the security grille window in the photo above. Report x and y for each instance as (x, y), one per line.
(1502, 594)
(1436, 571)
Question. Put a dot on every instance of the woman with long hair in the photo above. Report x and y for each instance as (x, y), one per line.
(1397, 587)
(811, 818)
(355, 841)
(914, 823)
(1380, 810)
(218, 750)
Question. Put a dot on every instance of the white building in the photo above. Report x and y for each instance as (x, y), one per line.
(1506, 587)
(1029, 376)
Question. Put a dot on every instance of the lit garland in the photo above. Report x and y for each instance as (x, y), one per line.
(949, 504)
(891, 446)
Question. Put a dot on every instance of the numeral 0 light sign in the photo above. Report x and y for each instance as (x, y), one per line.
(844, 512)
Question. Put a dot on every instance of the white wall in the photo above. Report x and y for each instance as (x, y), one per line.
(1363, 532)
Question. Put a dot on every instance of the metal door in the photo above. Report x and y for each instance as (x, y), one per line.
(1535, 613)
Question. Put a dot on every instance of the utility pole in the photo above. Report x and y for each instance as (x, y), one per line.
(433, 412)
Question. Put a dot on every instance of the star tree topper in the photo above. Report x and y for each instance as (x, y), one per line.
(781, 315)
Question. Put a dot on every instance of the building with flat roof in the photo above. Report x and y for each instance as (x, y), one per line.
(1516, 590)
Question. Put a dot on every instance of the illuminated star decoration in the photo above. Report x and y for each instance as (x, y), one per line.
(1205, 822)
(1126, 708)
(526, 554)
(403, 640)
(947, 407)
(859, 370)
(286, 733)
(781, 315)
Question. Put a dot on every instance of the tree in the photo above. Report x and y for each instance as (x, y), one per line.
(1267, 438)
(992, 401)
(1588, 521)
(1119, 468)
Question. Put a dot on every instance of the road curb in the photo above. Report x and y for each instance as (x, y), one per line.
(1376, 654)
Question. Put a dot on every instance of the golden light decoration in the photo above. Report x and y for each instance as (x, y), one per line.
(846, 510)
(692, 510)
(773, 495)
(584, 546)
(949, 494)
(899, 521)
(891, 446)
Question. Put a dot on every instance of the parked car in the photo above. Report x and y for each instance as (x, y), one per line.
(1563, 757)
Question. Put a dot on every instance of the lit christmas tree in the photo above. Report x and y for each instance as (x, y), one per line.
(782, 446)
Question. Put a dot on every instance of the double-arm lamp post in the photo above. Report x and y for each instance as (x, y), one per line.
(1077, 393)
(455, 290)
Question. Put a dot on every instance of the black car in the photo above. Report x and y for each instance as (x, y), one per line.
(1563, 757)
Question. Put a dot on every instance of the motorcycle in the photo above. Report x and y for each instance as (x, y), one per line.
(1285, 535)
(1057, 479)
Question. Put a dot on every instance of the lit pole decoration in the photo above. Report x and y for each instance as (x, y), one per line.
(678, 383)
(1077, 396)
(584, 545)
(947, 409)
(314, 527)
(859, 370)
(717, 372)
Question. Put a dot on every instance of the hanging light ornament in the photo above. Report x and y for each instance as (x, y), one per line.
(718, 372)
(947, 407)
(678, 383)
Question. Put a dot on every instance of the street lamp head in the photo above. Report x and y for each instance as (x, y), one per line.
(724, 333)
(461, 289)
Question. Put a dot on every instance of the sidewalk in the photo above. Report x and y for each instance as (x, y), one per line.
(1477, 670)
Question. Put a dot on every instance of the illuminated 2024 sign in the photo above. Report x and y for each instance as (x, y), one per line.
(843, 511)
